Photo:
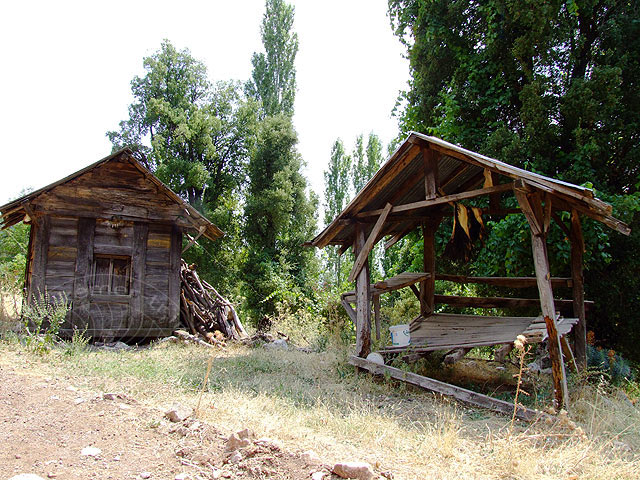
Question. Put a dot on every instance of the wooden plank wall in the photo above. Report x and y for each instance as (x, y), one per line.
(156, 282)
(63, 253)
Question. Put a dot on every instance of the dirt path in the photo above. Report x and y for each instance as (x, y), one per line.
(45, 423)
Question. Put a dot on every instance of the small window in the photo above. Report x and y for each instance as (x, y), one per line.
(111, 275)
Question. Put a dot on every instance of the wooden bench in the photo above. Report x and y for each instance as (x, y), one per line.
(451, 331)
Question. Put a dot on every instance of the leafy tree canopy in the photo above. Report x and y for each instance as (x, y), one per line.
(274, 74)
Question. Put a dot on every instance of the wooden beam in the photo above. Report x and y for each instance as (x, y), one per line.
(379, 181)
(462, 394)
(80, 317)
(556, 218)
(193, 240)
(459, 170)
(376, 314)
(440, 200)
(498, 302)
(39, 262)
(428, 285)
(529, 211)
(363, 255)
(430, 165)
(350, 311)
(580, 330)
(532, 208)
(511, 282)
(363, 310)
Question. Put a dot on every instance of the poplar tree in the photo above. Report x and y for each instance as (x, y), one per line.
(279, 214)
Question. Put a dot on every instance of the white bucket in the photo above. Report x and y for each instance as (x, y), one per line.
(400, 336)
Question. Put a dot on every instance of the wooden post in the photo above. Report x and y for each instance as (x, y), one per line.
(536, 218)
(376, 313)
(428, 285)
(580, 329)
(174, 277)
(138, 267)
(82, 274)
(363, 310)
(40, 254)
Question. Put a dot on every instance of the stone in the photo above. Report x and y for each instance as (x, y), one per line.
(181, 476)
(26, 476)
(71, 388)
(310, 457)
(145, 475)
(236, 457)
(110, 396)
(234, 442)
(270, 443)
(79, 400)
(279, 344)
(245, 433)
(357, 470)
(178, 413)
(318, 475)
(90, 451)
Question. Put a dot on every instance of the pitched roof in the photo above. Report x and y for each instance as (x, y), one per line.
(15, 211)
(400, 182)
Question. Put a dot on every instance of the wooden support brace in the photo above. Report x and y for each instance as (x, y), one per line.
(363, 255)
(577, 251)
(363, 308)
(376, 314)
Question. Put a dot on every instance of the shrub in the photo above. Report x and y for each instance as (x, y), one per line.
(42, 319)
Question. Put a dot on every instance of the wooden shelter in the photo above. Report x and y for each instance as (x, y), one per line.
(110, 237)
(417, 187)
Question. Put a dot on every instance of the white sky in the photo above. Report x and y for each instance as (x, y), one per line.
(67, 68)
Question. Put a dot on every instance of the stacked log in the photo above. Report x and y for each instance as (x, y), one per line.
(204, 311)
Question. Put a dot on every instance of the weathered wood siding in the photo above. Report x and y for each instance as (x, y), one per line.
(112, 212)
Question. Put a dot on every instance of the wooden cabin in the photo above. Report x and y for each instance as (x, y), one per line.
(110, 238)
(427, 179)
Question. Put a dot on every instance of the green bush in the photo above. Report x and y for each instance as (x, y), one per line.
(42, 318)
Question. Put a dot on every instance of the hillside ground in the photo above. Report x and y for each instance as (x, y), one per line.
(53, 407)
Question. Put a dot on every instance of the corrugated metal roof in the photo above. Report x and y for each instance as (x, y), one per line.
(400, 181)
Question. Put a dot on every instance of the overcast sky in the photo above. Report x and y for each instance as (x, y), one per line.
(67, 69)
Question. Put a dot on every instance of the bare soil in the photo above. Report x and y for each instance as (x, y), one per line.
(45, 423)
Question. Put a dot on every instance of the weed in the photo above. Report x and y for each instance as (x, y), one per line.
(43, 317)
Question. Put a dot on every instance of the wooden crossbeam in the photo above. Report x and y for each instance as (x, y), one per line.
(363, 255)
(441, 200)
(462, 394)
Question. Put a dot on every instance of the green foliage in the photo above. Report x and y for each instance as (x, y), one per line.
(608, 362)
(197, 136)
(279, 219)
(550, 87)
(274, 74)
(13, 253)
(43, 317)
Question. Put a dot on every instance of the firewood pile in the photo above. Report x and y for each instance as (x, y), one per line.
(204, 311)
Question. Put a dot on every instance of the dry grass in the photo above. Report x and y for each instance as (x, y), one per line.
(316, 401)
(10, 304)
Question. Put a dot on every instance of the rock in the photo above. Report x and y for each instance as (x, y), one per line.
(90, 451)
(145, 475)
(279, 344)
(178, 413)
(533, 367)
(310, 457)
(270, 443)
(181, 476)
(357, 470)
(26, 476)
(121, 346)
(236, 457)
(110, 396)
(71, 388)
(79, 400)
(234, 442)
(318, 475)
(246, 433)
